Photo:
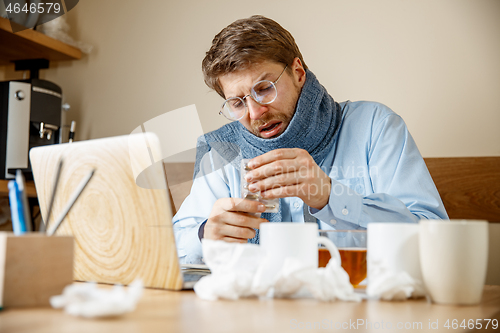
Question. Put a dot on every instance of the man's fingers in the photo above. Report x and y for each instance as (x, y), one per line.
(274, 155)
(234, 225)
(242, 205)
(237, 232)
(285, 179)
(234, 218)
(234, 240)
(285, 191)
(279, 167)
(242, 220)
(271, 169)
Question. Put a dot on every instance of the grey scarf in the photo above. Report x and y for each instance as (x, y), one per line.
(313, 127)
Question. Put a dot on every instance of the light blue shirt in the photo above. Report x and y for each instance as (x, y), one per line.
(377, 173)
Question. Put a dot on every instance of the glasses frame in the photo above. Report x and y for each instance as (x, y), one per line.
(252, 89)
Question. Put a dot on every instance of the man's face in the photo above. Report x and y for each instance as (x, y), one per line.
(271, 120)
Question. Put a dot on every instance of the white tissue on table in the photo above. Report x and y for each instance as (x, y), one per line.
(389, 285)
(240, 270)
(87, 300)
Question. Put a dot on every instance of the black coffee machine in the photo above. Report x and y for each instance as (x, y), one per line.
(30, 116)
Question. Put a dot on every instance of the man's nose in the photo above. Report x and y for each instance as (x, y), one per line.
(255, 109)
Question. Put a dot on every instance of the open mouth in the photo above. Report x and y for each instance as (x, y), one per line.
(270, 129)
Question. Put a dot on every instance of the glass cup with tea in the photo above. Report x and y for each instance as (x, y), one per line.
(352, 248)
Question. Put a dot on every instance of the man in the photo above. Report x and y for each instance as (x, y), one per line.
(341, 165)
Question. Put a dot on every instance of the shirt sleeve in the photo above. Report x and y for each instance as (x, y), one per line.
(208, 186)
(403, 190)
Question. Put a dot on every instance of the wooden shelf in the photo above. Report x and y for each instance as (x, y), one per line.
(30, 188)
(31, 44)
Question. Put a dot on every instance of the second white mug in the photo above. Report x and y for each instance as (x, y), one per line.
(454, 257)
(297, 240)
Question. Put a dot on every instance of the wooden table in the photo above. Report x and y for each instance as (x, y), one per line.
(169, 311)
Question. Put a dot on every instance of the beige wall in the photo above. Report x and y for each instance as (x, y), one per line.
(436, 63)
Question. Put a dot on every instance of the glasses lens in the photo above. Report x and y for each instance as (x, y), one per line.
(264, 92)
(234, 108)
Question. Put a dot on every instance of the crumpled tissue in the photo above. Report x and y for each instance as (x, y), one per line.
(390, 285)
(242, 270)
(86, 300)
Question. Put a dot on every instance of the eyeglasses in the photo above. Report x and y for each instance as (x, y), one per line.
(263, 92)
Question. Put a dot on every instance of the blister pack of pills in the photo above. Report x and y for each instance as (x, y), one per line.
(272, 205)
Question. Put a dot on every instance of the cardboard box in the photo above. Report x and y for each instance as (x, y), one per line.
(34, 267)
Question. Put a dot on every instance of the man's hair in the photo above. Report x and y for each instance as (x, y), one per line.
(245, 42)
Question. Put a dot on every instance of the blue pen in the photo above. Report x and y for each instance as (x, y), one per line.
(16, 209)
(21, 186)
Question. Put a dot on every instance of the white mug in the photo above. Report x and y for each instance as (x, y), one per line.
(300, 241)
(392, 252)
(454, 258)
(394, 247)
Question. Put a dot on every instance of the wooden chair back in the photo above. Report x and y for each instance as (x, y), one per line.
(469, 186)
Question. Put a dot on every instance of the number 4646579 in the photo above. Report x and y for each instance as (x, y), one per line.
(471, 324)
(47, 7)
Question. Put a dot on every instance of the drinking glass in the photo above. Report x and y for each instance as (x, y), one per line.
(352, 248)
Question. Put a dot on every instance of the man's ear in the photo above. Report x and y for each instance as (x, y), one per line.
(298, 71)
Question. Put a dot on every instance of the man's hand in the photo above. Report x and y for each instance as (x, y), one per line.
(230, 220)
(289, 173)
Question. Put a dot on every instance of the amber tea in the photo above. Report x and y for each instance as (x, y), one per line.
(353, 261)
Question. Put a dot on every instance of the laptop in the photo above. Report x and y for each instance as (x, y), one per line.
(122, 221)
